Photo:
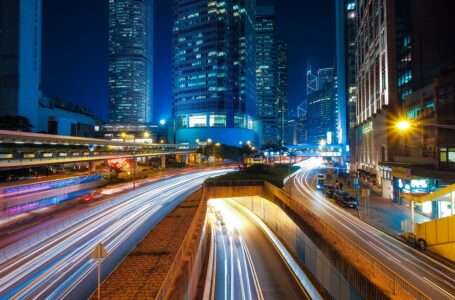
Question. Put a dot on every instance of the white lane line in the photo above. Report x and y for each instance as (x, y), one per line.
(386, 254)
(451, 296)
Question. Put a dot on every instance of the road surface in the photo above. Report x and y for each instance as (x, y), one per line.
(58, 266)
(248, 266)
(431, 277)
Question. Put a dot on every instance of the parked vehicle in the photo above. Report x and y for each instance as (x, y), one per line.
(320, 184)
(350, 201)
(328, 190)
(343, 199)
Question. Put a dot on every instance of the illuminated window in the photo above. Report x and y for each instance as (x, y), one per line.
(198, 121)
(217, 120)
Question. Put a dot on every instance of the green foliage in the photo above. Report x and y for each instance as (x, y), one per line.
(15, 123)
(273, 174)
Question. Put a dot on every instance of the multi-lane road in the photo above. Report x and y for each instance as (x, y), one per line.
(247, 264)
(434, 279)
(52, 260)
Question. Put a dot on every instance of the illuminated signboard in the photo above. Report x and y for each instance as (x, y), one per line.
(403, 173)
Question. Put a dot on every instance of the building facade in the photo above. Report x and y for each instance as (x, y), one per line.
(267, 74)
(402, 47)
(283, 91)
(214, 88)
(20, 58)
(376, 77)
(346, 72)
(130, 61)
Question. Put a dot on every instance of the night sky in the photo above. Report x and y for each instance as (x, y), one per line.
(75, 49)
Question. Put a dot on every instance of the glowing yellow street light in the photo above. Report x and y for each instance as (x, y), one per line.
(218, 144)
(123, 135)
(209, 141)
(403, 125)
(146, 134)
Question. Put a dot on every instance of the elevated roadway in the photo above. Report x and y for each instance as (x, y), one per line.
(24, 149)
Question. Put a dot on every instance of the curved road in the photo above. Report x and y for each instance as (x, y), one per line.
(58, 266)
(247, 264)
(431, 277)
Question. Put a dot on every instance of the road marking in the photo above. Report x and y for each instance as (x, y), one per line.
(440, 288)
(388, 255)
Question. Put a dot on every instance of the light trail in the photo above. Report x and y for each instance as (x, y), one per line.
(413, 266)
(258, 265)
(59, 265)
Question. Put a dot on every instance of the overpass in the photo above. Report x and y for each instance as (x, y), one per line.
(24, 149)
(316, 150)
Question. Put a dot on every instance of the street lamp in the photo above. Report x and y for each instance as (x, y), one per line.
(403, 125)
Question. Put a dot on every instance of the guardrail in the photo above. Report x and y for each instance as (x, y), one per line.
(235, 183)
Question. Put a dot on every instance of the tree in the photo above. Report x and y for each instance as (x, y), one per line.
(15, 123)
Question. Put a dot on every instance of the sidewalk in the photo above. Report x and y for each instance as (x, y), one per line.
(382, 213)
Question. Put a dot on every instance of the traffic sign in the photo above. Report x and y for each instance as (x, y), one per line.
(99, 252)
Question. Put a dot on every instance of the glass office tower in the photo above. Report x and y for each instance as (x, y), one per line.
(130, 61)
(214, 71)
(20, 58)
(283, 91)
(267, 73)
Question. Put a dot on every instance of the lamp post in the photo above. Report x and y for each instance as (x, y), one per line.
(214, 150)
(203, 144)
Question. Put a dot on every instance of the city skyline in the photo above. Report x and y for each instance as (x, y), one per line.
(235, 149)
(91, 74)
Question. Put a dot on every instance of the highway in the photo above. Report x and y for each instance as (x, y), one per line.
(247, 264)
(431, 277)
(57, 265)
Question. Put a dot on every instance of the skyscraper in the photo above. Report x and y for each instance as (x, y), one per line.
(20, 58)
(321, 118)
(282, 56)
(130, 61)
(267, 79)
(214, 71)
(345, 32)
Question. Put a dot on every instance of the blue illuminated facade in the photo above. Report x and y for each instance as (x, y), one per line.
(130, 61)
(20, 58)
(214, 89)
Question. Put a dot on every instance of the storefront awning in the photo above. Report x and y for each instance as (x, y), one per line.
(439, 195)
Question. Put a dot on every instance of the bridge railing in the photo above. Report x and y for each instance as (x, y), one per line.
(235, 183)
